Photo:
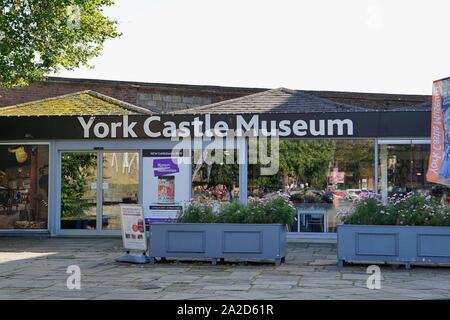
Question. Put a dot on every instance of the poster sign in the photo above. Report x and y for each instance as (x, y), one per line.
(162, 213)
(166, 183)
(164, 167)
(133, 227)
(439, 160)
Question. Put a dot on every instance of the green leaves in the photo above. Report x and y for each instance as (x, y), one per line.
(277, 210)
(42, 36)
(75, 171)
(306, 160)
(410, 210)
(197, 214)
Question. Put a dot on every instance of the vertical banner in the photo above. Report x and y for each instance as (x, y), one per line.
(133, 227)
(439, 160)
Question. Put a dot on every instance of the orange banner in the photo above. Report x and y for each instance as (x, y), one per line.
(439, 160)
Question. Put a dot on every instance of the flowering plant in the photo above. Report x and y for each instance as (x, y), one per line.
(410, 210)
(274, 209)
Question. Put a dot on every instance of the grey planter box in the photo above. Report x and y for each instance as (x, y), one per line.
(218, 241)
(393, 244)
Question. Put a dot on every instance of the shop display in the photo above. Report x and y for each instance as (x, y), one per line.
(23, 193)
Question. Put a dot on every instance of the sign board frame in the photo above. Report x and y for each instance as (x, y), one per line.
(133, 227)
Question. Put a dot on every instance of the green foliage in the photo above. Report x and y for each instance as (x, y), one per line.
(355, 156)
(412, 210)
(42, 36)
(234, 212)
(276, 210)
(207, 171)
(75, 169)
(227, 174)
(307, 160)
(416, 210)
(197, 214)
(369, 211)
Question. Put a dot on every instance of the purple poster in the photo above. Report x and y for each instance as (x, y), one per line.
(163, 167)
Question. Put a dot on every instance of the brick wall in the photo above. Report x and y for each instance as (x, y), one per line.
(167, 102)
(169, 97)
(157, 97)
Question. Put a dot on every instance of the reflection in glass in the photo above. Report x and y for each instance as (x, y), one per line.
(120, 185)
(325, 174)
(403, 169)
(78, 190)
(215, 180)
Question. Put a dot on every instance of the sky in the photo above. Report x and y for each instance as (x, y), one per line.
(394, 46)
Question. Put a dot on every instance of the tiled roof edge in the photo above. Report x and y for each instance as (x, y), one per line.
(281, 89)
(336, 104)
(120, 103)
(24, 104)
(224, 102)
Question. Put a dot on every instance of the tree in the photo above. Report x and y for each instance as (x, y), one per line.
(307, 161)
(42, 36)
(76, 169)
(355, 158)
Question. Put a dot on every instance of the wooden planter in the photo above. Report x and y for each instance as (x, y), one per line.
(218, 241)
(393, 244)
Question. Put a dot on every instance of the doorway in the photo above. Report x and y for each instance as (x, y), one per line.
(93, 186)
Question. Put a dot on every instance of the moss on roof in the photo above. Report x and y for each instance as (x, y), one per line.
(74, 104)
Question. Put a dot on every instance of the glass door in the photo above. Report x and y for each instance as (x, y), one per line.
(93, 185)
(79, 176)
(120, 184)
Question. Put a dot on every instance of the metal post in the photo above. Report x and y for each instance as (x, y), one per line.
(243, 168)
(376, 167)
(384, 172)
(99, 211)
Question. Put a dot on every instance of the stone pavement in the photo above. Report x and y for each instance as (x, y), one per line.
(35, 268)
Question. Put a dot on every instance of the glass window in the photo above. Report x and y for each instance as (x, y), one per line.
(23, 186)
(322, 176)
(215, 181)
(403, 169)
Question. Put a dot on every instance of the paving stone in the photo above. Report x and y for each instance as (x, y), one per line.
(323, 262)
(236, 287)
(354, 276)
(36, 269)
